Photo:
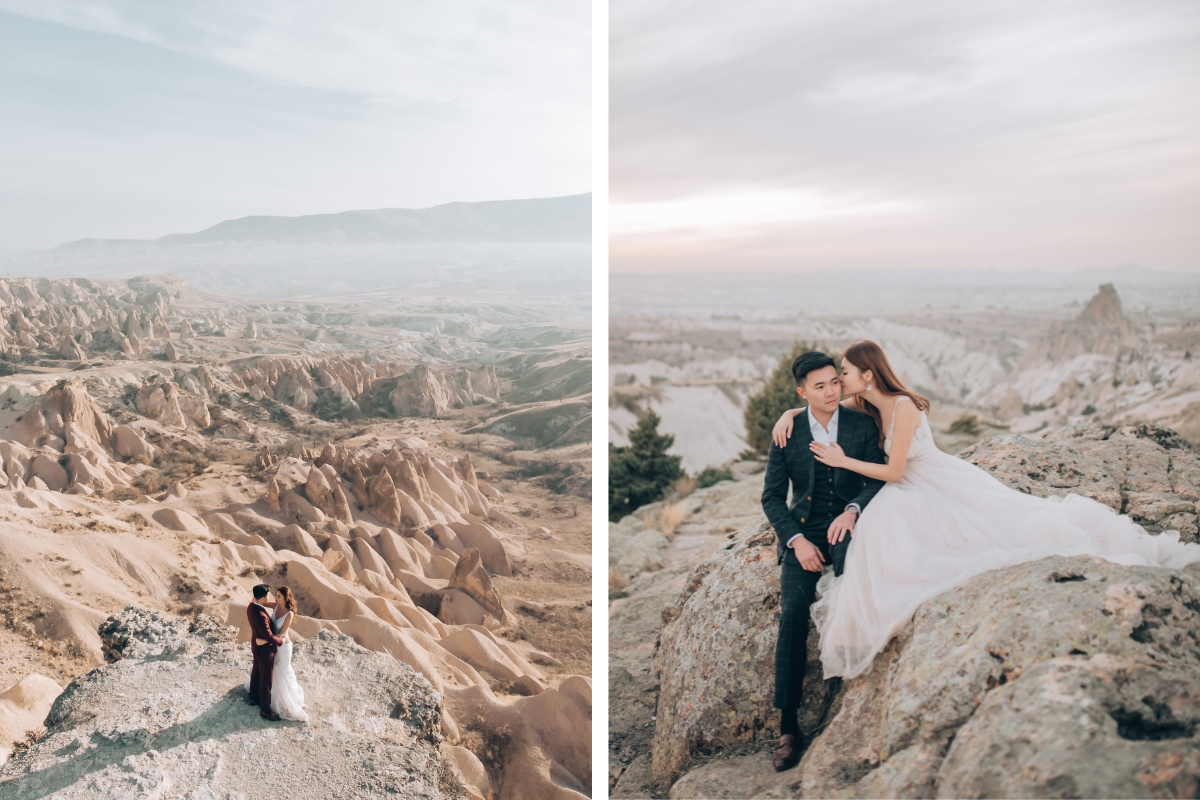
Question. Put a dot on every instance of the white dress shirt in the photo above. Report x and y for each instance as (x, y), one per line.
(825, 436)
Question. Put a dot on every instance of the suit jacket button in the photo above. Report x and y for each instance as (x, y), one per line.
(802, 519)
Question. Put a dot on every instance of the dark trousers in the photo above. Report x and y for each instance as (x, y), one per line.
(261, 675)
(798, 592)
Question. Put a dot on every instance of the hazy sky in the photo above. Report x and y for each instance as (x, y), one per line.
(138, 119)
(1013, 134)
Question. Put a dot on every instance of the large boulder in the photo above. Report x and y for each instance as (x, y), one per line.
(908, 727)
(716, 659)
(1060, 677)
(1065, 677)
(1146, 471)
(168, 718)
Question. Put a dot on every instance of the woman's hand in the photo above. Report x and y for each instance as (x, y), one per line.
(783, 429)
(831, 455)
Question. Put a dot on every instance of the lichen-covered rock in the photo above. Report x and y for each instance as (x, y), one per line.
(715, 651)
(1065, 677)
(168, 719)
(1146, 471)
(716, 659)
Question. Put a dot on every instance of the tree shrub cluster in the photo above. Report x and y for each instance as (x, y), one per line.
(777, 396)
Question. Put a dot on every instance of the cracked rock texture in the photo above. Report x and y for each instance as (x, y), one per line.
(1149, 472)
(1057, 678)
(168, 719)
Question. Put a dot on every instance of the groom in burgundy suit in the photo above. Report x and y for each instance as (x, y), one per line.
(263, 644)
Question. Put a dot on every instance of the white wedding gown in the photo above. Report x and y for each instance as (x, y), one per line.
(945, 522)
(287, 696)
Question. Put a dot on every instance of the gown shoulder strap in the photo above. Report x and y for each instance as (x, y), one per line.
(892, 424)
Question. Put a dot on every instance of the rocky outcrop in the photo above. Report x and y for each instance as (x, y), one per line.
(169, 715)
(1063, 677)
(1101, 328)
(1146, 471)
(716, 659)
(1066, 677)
(425, 392)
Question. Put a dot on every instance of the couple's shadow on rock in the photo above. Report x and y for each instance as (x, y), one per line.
(230, 714)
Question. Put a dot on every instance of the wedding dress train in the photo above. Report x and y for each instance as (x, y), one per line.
(287, 696)
(945, 522)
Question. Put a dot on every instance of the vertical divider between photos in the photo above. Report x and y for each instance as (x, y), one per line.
(599, 398)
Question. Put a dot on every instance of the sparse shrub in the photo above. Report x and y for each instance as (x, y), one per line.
(680, 488)
(329, 406)
(279, 414)
(711, 476)
(617, 580)
(28, 741)
(673, 515)
(967, 425)
(1091, 409)
(777, 396)
(639, 472)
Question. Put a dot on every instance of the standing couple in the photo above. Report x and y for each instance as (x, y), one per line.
(899, 521)
(272, 685)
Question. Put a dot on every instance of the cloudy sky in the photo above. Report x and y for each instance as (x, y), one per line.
(1015, 134)
(141, 118)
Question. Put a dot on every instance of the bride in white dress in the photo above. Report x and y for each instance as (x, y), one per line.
(940, 521)
(287, 696)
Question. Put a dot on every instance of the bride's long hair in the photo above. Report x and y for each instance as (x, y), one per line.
(289, 600)
(866, 355)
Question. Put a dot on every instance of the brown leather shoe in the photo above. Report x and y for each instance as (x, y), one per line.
(787, 754)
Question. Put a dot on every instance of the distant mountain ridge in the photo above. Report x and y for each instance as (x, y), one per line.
(552, 219)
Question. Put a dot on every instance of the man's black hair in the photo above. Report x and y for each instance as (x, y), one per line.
(261, 591)
(808, 362)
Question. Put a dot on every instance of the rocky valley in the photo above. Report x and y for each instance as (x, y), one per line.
(1027, 354)
(414, 464)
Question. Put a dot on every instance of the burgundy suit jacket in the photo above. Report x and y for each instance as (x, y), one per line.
(260, 626)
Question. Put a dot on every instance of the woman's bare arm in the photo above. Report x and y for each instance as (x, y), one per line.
(908, 417)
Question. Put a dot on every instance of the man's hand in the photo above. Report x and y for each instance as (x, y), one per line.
(843, 525)
(808, 554)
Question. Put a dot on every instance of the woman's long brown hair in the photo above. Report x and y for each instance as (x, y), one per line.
(289, 601)
(866, 355)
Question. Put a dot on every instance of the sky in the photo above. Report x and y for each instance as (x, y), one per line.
(139, 119)
(1008, 134)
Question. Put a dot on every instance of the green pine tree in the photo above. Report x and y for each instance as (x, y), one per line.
(777, 396)
(640, 472)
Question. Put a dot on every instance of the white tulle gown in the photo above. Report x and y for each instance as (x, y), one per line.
(287, 696)
(945, 522)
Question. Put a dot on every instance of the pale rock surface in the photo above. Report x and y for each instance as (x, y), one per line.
(470, 577)
(23, 707)
(1146, 471)
(169, 717)
(1064, 677)
(131, 445)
